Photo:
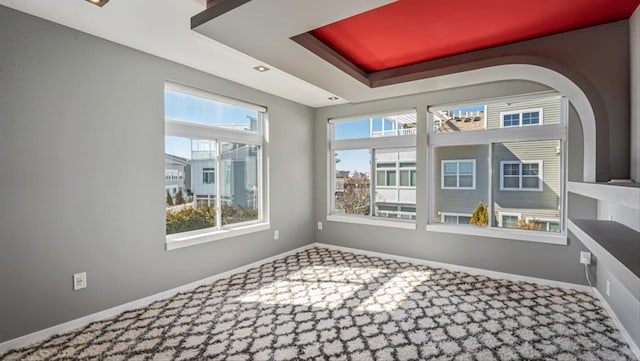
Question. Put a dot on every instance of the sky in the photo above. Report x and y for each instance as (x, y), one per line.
(181, 106)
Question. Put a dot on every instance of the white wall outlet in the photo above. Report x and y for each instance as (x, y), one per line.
(276, 234)
(319, 226)
(608, 288)
(585, 257)
(79, 281)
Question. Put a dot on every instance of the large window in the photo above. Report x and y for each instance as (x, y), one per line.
(373, 167)
(488, 179)
(217, 144)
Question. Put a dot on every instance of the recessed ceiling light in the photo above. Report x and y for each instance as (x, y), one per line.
(333, 98)
(98, 2)
(261, 68)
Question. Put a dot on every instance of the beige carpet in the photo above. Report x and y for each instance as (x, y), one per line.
(328, 305)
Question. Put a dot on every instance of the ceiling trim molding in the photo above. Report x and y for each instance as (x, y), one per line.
(214, 9)
(322, 50)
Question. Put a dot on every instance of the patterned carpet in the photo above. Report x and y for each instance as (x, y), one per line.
(322, 304)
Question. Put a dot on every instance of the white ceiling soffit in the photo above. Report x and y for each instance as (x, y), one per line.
(162, 28)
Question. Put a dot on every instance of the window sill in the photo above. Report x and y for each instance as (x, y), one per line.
(402, 224)
(518, 235)
(176, 242)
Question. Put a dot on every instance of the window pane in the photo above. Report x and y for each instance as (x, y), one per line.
(466, 181)
(450, 181)
(190, 200)
(451, 219)
(509, 221)
(380, 178)
(408, 165)
(511, 120)
(530, 118)
(386, 165)
(530, 182)
(391, 178)
(464, 219)
(534, 190)
(401, 124)
(413, 178)
(239, 182)
(466, 168)
(404, 178)
(185, 107)
(353, 168)
(450, 168)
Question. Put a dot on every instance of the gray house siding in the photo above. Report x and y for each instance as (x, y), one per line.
(461, 200)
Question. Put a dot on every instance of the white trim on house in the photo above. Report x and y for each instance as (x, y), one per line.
(451, 214)
(521, 176)
(457, 162)
(540, 112)
(508, 214)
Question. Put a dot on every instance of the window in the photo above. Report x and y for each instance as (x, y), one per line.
(455, 218)
(208, 175)
(512, 180)
(458, 174)
(213, 151)
(521, 118)
(373, 167)
(521, 175)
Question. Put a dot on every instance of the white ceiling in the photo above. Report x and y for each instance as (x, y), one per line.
(255, 33)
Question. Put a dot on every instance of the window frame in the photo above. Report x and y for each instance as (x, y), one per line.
(397, 141)
(491, 136)
(199, 131)
(507, 214)
(453, 214)
(457, 162)
(540, 112)
(520, 188)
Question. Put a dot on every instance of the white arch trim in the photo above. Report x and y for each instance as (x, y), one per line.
(547, 77)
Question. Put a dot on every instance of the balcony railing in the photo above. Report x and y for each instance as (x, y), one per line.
(393, 133)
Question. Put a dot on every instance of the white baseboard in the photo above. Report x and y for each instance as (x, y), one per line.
(632, 345)
(83, 321)
(457, 268)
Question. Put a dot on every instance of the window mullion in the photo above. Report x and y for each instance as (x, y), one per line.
(218, 187)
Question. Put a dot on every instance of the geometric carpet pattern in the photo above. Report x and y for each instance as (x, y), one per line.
(322, 304)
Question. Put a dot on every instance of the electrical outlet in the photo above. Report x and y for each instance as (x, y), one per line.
(608, 288)
(585, 257)
(79, 281)
(276, 234)
(319, 226)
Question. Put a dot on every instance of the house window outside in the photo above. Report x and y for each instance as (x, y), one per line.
(208, 175)
(211, 138)
(373, 166)
(458, 174)
(521, 118)
(455, 218)
(521, 175)
(526, 177)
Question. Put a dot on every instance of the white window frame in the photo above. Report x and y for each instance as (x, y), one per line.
(521, 176)
(457, 162)
(520, 112)
(198, 131)
(508, 214)
(500, 135)
(411, 170)
(452, 214)
(371, 144)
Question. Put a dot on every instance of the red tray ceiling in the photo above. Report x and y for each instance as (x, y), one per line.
(412, 31)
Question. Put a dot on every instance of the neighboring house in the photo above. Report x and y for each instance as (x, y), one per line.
(524, 173)
(238, 185)
(175, 173)
(396, 183)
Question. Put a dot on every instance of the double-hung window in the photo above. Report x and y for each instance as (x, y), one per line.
(372, 168)
(505, 171)
(217, 143)
(521, 118)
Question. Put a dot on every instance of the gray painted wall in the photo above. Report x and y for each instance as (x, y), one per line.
(634, 40)
(82, 180)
